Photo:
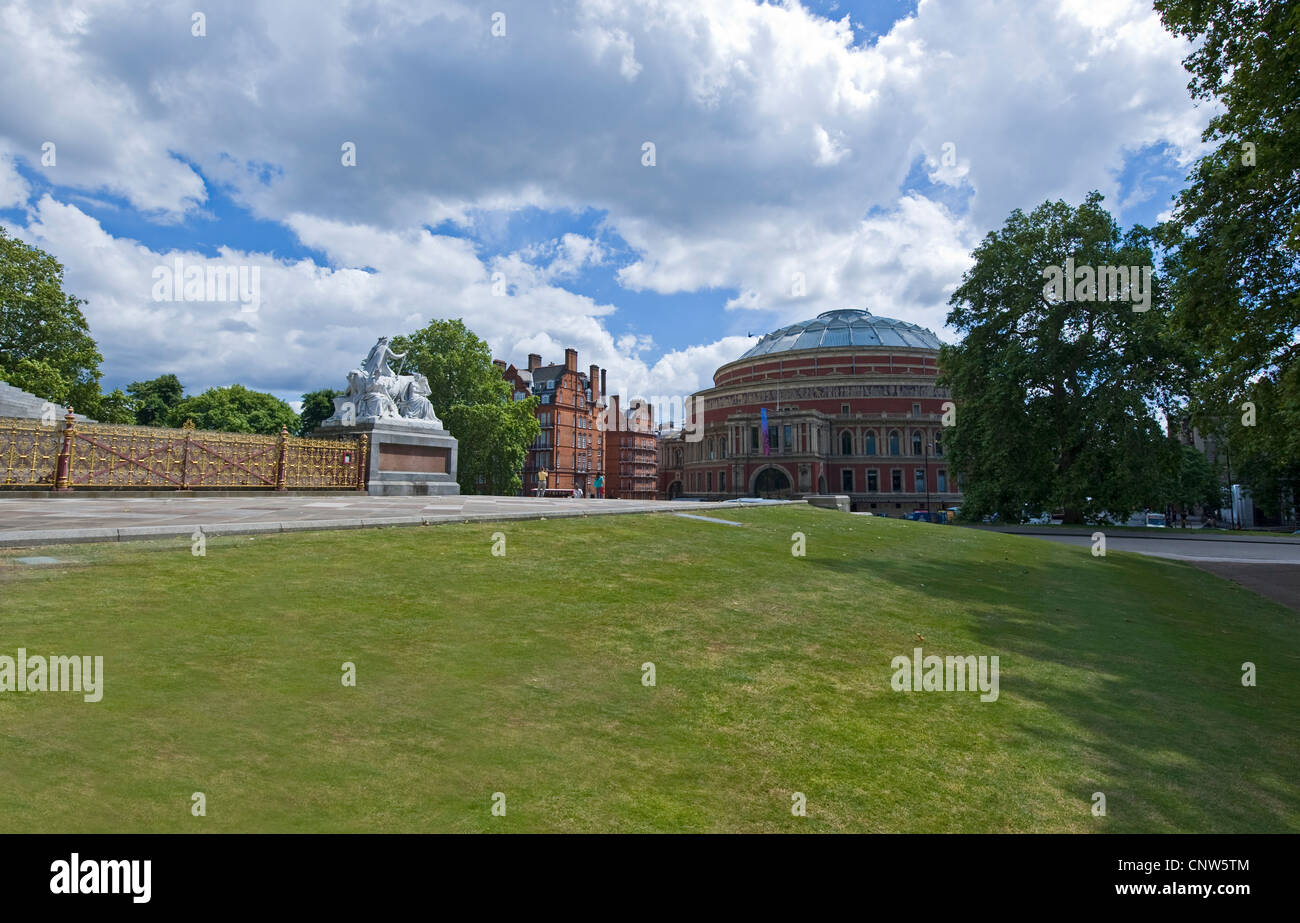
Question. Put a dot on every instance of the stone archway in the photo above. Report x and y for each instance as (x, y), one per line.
(771, 482)
(674, 490)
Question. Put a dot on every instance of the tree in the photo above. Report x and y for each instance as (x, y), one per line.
(457, 363)
(235, 409)
(114, 407)
(1056, 390)
(45, 344)
(494, 440)
(1192, 482)
(1237, 224)
(1236, 232)
(317, 407)
(475, 404)
(154, 399)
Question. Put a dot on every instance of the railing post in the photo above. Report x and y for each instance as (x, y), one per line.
(363, 461)
(63, 467)
(185, 462)
(284, 459)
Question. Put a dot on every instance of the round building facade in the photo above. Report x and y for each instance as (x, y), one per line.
(845, 403)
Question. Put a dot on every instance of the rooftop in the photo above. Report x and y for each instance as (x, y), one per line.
(841, 328)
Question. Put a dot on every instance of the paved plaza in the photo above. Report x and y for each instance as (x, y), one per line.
(71, 518)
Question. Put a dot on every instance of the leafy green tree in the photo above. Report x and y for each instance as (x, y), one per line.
(1235, 233)
(317, 407)
(45, 344)
(235, 409)
(475, 405)
(1055, 398)
(114, 407)
(155, 398)
(1192, 482)
(494, 440)
(1237, 224)
(457, 363)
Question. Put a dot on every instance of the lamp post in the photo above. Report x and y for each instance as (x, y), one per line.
(925, 445)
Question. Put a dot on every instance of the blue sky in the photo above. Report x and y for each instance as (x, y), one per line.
(864, 156)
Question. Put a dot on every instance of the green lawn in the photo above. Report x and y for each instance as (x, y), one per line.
(522, 674)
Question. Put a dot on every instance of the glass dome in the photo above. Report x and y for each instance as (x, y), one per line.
(847, 327)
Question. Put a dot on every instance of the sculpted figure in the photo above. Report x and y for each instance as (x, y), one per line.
(375, 392)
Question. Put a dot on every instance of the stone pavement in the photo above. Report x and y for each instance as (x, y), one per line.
(70, 518)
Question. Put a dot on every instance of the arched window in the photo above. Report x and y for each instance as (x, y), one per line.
(871, 442)
(710, 448)
(893, 442)
(916, 442)
(846, 443)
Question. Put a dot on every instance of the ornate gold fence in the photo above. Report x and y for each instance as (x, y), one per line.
(95, 455)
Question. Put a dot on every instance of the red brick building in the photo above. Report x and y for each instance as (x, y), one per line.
(571, 446)
(851, 407)
(631, 452)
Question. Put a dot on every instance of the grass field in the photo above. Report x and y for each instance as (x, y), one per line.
(522, 675)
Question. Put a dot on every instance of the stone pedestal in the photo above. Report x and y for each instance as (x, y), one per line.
(407, 458)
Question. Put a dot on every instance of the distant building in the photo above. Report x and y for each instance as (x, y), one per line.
(631, 452)
(571, 446)
(672, 445)
(845, 403)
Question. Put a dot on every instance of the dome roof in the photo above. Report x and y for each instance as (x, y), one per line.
(838, 329)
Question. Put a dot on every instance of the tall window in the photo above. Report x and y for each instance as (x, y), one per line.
(710, 477)
(942, 477)
(873, 481)
(710, 448)
(753, 438)
(787, 434)
(871, 442)
(846, 443)
(893, 442)
(938, 445)
(677, 458)
(916, 443)
(846, 479)
(722, 481)
(920, 480)
(896, 480)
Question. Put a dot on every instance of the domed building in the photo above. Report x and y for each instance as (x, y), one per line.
(851, 408)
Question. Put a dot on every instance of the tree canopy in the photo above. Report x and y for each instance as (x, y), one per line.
(1056, 395)
(45, 343)
(235, 409)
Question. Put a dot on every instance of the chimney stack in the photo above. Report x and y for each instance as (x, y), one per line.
(617, 416)
(602, 382)
(571, 359)
(500, 364)
(593, 376)
(534, 361)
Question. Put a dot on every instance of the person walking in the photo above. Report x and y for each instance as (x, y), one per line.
(600, 487)
(541, 482)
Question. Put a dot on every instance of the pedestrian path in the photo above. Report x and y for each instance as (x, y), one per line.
(70, 518)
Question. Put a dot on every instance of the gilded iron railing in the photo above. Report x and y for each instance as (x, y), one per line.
(96, 455)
